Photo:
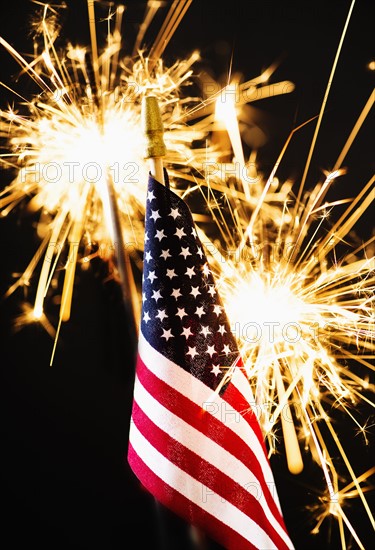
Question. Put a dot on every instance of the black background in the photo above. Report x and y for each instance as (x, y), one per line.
(65, 480)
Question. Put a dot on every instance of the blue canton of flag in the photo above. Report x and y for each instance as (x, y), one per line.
(182, 315)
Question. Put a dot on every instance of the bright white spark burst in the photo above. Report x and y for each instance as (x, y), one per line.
(82, 135)
(303, 315)
(311, 314)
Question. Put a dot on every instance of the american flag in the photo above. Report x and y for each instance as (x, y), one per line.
(195, 443)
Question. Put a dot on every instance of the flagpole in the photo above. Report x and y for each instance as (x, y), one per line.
(124, 268)
(155, 151)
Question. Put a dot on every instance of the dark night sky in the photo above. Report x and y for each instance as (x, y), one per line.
(65, 482)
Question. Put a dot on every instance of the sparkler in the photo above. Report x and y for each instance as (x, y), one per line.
(80, 139)
(302, 320)
(81, 132)
(302, 312)
(81, 136)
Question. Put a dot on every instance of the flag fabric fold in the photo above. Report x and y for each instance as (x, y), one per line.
(194, 442)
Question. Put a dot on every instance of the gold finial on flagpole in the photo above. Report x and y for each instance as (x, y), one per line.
(153, 128)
